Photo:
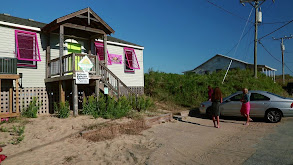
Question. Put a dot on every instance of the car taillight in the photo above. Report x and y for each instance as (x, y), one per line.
(292, 105)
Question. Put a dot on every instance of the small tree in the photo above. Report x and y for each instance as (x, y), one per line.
(62, 110)
(32, 110)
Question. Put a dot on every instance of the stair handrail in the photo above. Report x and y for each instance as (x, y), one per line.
(103, 67)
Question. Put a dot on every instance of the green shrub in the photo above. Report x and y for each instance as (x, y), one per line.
(191, 89)
(19, 130)
(144, 103)
(62, 109)
(32, 110)
(89, 105)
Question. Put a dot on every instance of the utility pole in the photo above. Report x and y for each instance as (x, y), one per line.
(256, 6)
(283, 49)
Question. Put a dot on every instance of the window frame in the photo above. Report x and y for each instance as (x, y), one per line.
(254, 99)
(101, 45)
(25, 62)
(240, 94)
(133, 60)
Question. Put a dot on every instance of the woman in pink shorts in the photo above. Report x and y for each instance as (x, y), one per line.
(245, 108)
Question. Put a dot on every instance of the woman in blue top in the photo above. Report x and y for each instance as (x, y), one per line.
(245, 108)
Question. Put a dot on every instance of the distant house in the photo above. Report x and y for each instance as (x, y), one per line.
(221, 62)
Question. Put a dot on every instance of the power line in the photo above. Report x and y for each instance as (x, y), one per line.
(269, 52)
(242, 32)
(276, 30)
(274, 57)
(276, 22)
(227, 11)
(288, 68)
(241, 38)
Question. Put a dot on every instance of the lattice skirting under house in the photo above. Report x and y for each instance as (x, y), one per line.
(25, 96)
(46, 96)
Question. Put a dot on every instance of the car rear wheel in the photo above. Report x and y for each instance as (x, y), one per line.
(273, 115)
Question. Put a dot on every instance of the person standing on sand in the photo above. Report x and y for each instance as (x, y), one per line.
(245, 108)
(216, 99)
(210, 92)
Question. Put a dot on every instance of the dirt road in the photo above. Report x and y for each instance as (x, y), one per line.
(196, 141)
(190, 141)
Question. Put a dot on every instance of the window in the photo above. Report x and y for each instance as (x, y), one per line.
(27, 49)
(100, 52)
(258, 97)
(131, 62)
(236, 98)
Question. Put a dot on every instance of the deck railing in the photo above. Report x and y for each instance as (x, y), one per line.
(8, 65)
(70, 66)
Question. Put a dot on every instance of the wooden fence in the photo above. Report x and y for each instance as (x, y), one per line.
(25, 96)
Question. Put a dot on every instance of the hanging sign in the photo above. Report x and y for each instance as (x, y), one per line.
(106, 90)
(85, 64)
(82, 77)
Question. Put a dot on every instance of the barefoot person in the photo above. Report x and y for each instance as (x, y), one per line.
(216, 99)
(245, 108)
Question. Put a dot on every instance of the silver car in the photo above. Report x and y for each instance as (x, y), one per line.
(262, 104)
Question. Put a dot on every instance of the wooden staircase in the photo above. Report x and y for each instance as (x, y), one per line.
(115, 86)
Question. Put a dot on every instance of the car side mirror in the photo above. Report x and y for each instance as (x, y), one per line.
(228, 100)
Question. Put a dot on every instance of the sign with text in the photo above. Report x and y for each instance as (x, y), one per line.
(85, 64)
(82, 77)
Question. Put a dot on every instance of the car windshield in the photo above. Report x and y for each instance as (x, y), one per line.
(277, 95)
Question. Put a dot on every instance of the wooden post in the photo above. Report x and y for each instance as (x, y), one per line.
(48, 58)
(61, 48)
(90, 47)
(73, 64)
(97, 89)
(75, 97)
(16, 95)
(10, 100)
(118, 88)
(105, 50)
(61, 92)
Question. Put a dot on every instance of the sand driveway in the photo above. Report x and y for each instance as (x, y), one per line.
(190, 141)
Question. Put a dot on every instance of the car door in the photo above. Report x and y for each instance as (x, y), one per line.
(258, 104)
(232, 106)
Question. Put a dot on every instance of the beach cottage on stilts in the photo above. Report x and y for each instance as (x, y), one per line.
(72, 57)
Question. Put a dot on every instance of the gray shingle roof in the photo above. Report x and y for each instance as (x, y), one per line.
(27, 22)
(20, 21)
(113, 39)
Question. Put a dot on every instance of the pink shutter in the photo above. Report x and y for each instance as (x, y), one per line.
(27, 46)
(131, 58)
(100, 52)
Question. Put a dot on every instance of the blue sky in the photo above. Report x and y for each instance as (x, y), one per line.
(179, 35)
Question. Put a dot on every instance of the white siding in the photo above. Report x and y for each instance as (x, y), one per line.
(31, 77)
(130, 79)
